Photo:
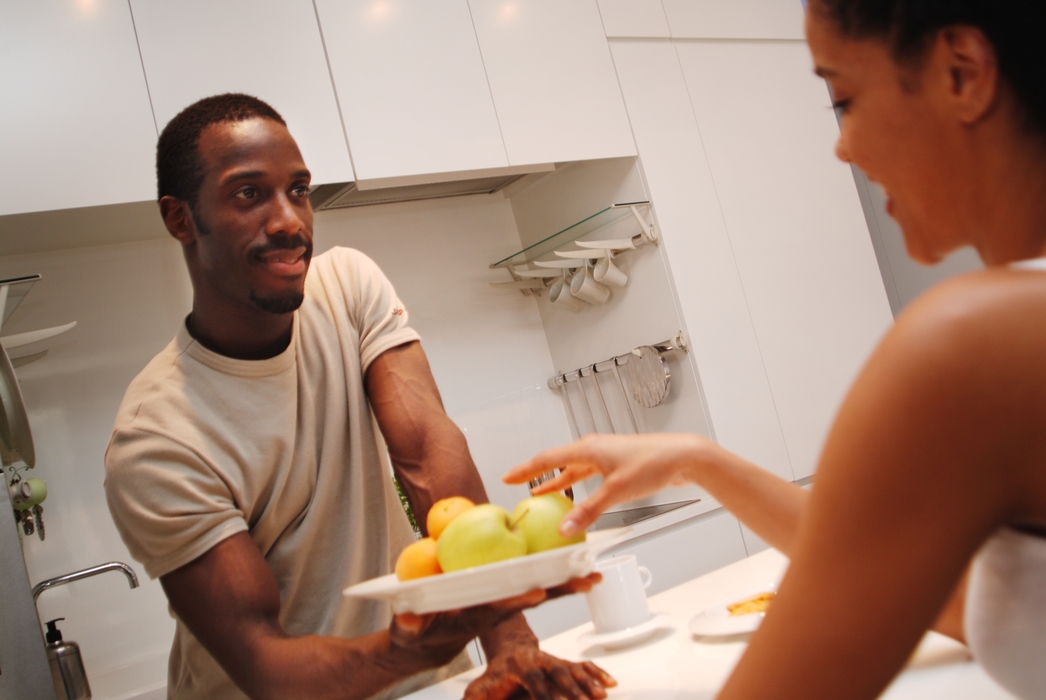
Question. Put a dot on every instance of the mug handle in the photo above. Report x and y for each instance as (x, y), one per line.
(645, 576)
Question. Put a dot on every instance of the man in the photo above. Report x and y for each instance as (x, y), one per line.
(243, 470)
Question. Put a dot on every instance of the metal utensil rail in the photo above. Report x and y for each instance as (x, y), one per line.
(559, 381)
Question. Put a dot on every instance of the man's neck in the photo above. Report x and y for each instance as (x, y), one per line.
(241, 336)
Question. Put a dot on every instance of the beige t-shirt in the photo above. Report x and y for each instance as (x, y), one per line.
(206, 446)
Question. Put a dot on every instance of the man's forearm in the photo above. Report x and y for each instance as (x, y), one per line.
(325, 668)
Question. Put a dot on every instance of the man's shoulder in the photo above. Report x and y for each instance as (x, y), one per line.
(155, 389)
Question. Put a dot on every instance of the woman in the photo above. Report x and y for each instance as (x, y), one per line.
(938, 453)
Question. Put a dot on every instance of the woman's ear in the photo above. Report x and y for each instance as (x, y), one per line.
(973, 72)
(177, 217)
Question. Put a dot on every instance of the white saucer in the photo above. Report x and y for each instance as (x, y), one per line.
(627, 636)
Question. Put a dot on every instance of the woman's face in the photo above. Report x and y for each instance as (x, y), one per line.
(894, 129)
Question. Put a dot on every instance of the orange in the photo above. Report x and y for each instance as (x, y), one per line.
(418, 560)
(443, 511)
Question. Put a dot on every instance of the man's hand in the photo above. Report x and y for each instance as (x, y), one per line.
(544, 677)
(437, 638)
(517, 666)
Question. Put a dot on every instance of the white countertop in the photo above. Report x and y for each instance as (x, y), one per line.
(673, 663)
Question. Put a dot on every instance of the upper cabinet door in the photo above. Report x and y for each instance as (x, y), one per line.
(735, 19)
(76, 125)
(413, 93)
(271, 49)
(553, 80)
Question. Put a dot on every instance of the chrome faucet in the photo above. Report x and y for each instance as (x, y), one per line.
(86, 573)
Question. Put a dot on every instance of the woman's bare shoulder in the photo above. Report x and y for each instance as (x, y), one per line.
(995, 313)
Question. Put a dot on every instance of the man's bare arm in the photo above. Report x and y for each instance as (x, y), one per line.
(229, 599)
(431, 459)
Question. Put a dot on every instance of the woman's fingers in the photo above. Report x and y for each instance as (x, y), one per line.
(568, 456)
(583, 514)
(570, 475)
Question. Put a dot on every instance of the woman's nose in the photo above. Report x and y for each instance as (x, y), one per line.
(842, 151)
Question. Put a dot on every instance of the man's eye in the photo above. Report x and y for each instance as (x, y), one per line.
(301, 190)
(247, 193)
(840, 107)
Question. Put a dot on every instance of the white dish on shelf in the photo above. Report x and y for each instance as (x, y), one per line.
(716, 620)
(626, 637)
(485, 584)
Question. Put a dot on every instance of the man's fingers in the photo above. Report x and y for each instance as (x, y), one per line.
(520, 602)
(575, 585)
(534, 681)
(566, 684)
(604, 678)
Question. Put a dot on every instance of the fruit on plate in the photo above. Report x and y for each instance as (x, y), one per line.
(481, 535)
(418, 560)
(443, 511)
(539, 517)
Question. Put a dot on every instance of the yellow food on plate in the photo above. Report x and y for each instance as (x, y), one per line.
(753, 604)
(443, 511)
(418, 560)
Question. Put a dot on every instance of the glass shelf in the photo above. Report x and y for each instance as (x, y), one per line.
(612, 222)
(12, 291)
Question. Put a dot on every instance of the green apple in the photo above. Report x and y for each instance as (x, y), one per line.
(539, 518)
(481, 535)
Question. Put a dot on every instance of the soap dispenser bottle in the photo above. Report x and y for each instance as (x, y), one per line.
(67, 668)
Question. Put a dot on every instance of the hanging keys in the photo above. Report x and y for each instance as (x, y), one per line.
(28, 526)
(38, 516)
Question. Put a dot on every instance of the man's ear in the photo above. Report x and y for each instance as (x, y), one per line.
(177, 217)
(973, 72)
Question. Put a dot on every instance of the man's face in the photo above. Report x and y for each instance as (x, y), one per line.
(253, 218)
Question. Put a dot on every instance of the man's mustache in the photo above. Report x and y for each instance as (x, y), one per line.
(284, 243)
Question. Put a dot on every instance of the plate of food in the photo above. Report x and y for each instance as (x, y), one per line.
(453, 569)
(737, 615)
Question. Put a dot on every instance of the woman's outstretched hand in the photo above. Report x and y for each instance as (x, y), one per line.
(632, 466)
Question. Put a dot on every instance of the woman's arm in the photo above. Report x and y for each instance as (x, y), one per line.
(638, 465)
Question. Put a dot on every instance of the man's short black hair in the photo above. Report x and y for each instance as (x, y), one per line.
(179, 171)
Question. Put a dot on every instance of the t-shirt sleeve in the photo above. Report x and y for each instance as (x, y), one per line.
(379, 315)
(169, 506)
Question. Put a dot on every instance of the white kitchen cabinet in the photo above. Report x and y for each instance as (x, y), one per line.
(552, 79)
(634, 18)
(413, 92)
(76, 125)
(735, 19)
(724, 344)
(271, 49)
(800, 240)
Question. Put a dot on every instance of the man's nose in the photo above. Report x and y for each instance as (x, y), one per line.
(286, 218)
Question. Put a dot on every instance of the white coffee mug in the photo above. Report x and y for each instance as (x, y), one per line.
(584, 286)
(606, 272)
(619, 600)
(559, 294)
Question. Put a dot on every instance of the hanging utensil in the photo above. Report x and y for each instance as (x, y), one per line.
(591, 372)
(624, 393)
(648, 375)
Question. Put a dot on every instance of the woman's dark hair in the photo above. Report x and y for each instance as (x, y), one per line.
(179, 171)
(1014, 27)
